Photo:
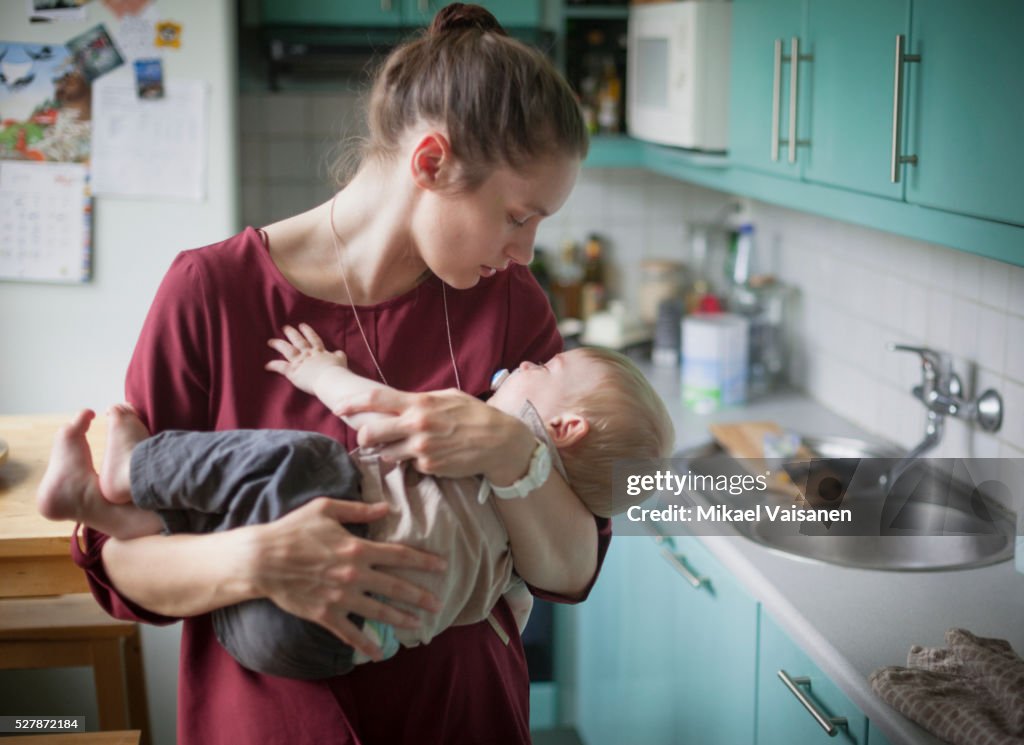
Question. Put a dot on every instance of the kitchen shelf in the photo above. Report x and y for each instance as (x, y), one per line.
(615, 151)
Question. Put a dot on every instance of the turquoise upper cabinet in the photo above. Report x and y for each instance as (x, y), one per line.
(966, 102)
(760, 94)
(323, 12)
(796, 701)
(508, 12)
(850, 87)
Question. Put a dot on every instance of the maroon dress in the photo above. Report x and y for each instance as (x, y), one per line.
(199, 365)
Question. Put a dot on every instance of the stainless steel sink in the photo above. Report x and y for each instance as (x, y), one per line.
(931, 518)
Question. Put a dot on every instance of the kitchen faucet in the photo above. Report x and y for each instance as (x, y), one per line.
(941, 391)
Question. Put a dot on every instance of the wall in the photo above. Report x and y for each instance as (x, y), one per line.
(66, 347)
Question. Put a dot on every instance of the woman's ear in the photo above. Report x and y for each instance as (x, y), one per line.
(432, 161)
(568, 429)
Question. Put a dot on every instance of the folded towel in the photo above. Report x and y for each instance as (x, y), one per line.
(970, 692)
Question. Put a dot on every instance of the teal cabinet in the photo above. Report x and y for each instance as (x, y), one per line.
(875, 737)
(760, 93)
(966, 108)
(383, 13)
(386, 13)
(508, 12)
(795, 700)
(667, 649)
(850, 90)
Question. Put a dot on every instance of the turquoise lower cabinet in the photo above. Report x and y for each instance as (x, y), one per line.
(796, 701)
(875, 737)
(667, 649)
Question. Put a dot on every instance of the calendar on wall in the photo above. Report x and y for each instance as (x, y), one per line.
(45, 222)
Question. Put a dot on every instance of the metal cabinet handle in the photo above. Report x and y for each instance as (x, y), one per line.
(897, 108)
(794, 79)
(677, 562)
(831, 725)
(776, 98)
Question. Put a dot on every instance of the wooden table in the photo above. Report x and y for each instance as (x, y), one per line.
(34, 552)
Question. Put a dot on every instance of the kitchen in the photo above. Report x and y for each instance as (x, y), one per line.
(859, 282)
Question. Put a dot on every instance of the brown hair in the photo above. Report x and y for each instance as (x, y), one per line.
(500, 101)
(627, 419)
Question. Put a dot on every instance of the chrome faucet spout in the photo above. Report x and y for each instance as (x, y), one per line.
(932, 437)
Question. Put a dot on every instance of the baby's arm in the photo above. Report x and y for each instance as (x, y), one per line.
(314, 370)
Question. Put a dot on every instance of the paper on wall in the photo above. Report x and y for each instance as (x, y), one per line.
(149, 148)
(45, 222)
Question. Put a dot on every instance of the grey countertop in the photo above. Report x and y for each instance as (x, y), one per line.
(852, 621)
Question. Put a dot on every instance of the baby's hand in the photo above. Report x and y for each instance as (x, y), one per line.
(305, 357)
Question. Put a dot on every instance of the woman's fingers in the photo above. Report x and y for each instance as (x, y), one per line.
(390, 587)
(372, 608)
(349, 633)
(379, 400)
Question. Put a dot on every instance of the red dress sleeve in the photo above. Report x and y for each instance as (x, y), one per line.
(168, 384)
(533, 336)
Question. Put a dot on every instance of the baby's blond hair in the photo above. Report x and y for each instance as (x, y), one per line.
(627, 420)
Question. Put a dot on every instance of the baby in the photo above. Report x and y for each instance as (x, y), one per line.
(587, 408)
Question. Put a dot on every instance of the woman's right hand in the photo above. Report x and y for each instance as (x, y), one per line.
(309, 565)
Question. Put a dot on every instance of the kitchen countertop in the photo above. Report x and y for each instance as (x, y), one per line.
(852, 621)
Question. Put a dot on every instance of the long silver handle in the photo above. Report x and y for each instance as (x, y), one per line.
(794, 79)
(831, 725)
(776, 98)
(677, 562)
(897, 109)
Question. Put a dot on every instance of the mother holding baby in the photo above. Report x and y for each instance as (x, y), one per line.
(417, 270)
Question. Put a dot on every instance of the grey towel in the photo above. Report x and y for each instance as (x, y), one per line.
(970, 692)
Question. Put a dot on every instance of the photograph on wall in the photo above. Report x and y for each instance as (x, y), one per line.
(95, 52)
(45, 104)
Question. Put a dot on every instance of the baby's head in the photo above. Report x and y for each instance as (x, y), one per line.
(598, 408)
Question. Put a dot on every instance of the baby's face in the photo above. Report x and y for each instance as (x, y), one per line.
(549, 387)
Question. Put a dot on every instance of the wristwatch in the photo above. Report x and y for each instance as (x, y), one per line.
(536, 475)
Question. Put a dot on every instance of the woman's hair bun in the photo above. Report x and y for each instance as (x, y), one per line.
(457, 17)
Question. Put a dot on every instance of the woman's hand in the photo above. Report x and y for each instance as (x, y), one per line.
(445, 433)
(305, 357)
(308, 564)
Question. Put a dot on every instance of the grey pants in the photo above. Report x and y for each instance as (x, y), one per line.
(202, 482)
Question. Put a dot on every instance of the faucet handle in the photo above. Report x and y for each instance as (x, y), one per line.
(935, 365)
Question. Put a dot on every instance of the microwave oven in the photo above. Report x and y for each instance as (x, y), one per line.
(678, 73)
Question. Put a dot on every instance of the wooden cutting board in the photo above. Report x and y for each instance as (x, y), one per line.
(745, 442)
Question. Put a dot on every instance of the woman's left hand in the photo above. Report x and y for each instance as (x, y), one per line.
(446, 433)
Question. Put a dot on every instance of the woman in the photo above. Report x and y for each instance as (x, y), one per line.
(417, 270)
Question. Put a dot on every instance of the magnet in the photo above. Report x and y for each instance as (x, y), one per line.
(95, 53)
(168, 34)
(149, 78)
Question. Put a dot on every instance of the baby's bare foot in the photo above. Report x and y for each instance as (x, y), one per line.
(124, 431)
(70, 480)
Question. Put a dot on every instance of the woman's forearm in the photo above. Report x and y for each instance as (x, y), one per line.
(183, 575)
(553, 538)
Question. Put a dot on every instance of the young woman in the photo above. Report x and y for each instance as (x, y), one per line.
(416, 269)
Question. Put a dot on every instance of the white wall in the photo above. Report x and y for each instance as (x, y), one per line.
(66, 347)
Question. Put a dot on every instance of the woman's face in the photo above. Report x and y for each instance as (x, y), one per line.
(467, 236)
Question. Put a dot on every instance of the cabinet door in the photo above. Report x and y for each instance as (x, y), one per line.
(967, 108)
(850, 90)
(781, 717)
(508, 12)
(715, 638)
(625, 641)
(757, 82)
(324, 12)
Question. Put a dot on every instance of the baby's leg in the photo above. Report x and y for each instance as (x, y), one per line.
(124, 431)
(70, 489)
